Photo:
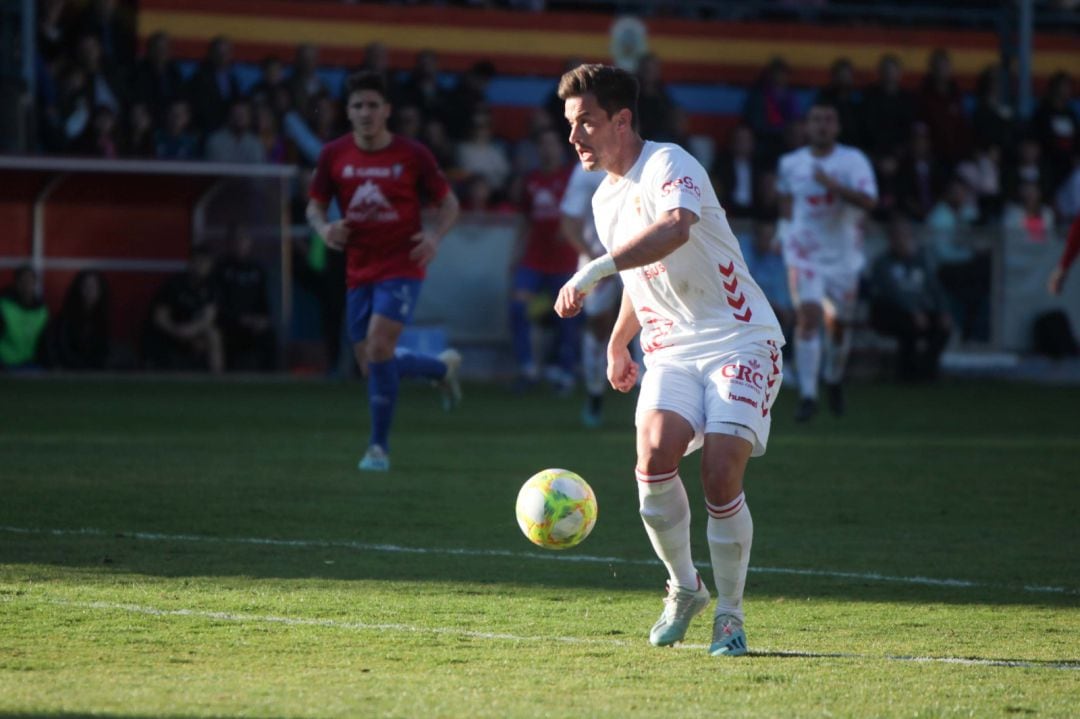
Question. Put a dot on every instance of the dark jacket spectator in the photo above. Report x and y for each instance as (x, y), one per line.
(244, 306)
(907, 302)
(921, 177)
(941, 109)
(1056, 126)
(157, 81)
(236, 142)
(737, 173)
(993, 121)
(770, 107)
(138, 139)
(114, 26)
(80, 333)
(182, 331)
(305, 84)
(467, 98)
(101, 138)
(656, 108)
(887, 110)
(213, 87)
(176, 140)
(841, 93)
(421, 88)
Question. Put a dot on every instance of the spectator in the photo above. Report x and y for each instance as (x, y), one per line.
(908, 303)
(74, 106)
(264, 92)
(1057, 128)
(157, 80)
(139, 138)
(80, 334)
(656, 120)
(887, 110)
(438, 141)
(737, 175)
(1029, 167)
(408, 121)
(421, 88)
(182, 331)
(887, 171)
(213, 87)
(244, 306)
(50, 31)
(983, 174)
(1029, 220)
(305, 83)
(962, 269)
(478, 196)
(102, 85)
(113, 26)
(770, 108)
(236, 142)
(482, 155)
(177, 141)
(376, 60)
(920, 179)
(467, 99)
(526, 155)
(23, 318)
(100, 138)
(268, 131)
(941, 110)
(841, 94)
(993, 121)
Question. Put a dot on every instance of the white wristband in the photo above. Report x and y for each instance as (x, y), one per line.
(586, 278)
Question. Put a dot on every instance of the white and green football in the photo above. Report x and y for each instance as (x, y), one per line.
(556, 509)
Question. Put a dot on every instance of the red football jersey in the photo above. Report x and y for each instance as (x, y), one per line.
(546, 250)
(381, 195)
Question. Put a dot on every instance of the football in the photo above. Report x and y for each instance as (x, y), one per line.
(556, 509)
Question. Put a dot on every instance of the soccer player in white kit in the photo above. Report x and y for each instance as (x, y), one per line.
(602, 304)
(825, 190)
(711, 341)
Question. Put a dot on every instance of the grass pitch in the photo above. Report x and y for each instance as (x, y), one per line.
(196, 548)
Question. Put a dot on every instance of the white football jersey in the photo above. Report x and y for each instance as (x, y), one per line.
(826, 232)
(699, 300)
(577, 202)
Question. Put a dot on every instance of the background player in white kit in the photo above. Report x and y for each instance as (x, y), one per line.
(602, 303)
(711, 340)
(825, 189)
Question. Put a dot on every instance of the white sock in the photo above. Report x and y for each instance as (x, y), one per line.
(730, 532)
(593, 364)
(807, 364)
(666, 512)
(836, 354)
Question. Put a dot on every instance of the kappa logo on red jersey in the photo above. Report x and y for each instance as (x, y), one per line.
(685, 183)
(369, 204)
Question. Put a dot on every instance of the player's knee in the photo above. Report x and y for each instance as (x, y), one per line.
(722, 479)
(378, 349)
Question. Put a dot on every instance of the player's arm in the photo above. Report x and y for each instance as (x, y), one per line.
(427, 240)
(670, 232)
(850, 195)
(334, 234)
(622, 370)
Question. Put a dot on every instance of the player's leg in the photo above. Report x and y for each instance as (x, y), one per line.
(669, 397)
(808, 321)
(839, 307)
(737, 421)
(600, 307)
(526, 283)
(397, 300)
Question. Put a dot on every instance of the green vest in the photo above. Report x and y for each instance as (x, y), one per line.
(22, 329)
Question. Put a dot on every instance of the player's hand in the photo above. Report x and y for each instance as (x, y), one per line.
(425, 249)
(570, 301)
(1056, 281)
(337, 235)
(622, 370)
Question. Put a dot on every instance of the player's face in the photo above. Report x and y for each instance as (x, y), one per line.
(822, 126)
(368, 113)
(592, 132)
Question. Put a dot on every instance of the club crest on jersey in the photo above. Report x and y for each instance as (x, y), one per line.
(349, 172)
(681, 183)
(637, 205)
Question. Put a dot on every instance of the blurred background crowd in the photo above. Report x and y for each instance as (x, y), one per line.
(948, 157)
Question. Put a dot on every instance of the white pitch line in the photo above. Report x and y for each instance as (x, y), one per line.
(244, 618)
(549, 556)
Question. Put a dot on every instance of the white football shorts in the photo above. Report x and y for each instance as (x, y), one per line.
(835, 290)
(730, 393)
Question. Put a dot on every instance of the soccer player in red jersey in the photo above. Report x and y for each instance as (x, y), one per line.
(545, 263)
(381, 182)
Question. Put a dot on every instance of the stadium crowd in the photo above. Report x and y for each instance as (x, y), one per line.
(943, 161)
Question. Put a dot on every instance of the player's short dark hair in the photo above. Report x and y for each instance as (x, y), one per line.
(366, 80)
(825, 102)
(614, 89)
